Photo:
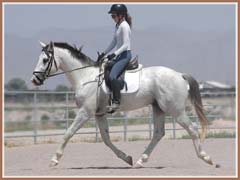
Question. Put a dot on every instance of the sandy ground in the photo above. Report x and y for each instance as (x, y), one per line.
(170, 158)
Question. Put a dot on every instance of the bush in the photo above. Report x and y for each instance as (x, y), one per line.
(45, 118)
(16, 84)
(61, 97)
(71, 114)
(18, 126)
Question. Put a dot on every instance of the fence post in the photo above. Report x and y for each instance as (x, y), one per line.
(174, 128)
(125, 127)
(96, 137)
(67, 110)
(35, 117)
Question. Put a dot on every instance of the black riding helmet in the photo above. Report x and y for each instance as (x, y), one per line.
(118, 9)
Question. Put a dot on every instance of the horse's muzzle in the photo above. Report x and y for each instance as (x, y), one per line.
(37, 81)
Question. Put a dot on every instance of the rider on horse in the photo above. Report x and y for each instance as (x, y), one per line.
(122, 55)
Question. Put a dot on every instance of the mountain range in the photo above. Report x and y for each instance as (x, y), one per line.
(207, 55)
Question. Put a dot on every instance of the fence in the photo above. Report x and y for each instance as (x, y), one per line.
(37, 105)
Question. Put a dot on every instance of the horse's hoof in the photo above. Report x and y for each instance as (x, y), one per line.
(144, 158)
(53, 163)
(208, 160)
(138, 165)
(129, 160)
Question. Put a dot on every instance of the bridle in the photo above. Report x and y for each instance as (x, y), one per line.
(51, 60)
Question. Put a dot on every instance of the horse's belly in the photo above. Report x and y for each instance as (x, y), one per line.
(141, 98)
(135, 101)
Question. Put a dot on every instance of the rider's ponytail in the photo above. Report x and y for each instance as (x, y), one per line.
(128, 18)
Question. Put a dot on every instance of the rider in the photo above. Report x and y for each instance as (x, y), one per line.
(122, 55)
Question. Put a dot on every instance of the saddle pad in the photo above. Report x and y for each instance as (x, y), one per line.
(132, 78)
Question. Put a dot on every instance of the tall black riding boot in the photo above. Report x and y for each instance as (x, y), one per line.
(116, 96)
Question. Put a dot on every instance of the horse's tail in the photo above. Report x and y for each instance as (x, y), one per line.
(196, 100)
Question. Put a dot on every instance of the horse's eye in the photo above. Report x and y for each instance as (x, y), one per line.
(45, 60)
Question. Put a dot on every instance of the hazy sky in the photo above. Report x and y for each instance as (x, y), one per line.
(26, 20)
(30, 21)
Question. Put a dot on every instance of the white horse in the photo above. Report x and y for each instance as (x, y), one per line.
(163, 88)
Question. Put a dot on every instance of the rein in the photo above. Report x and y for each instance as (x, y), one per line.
(64, 72)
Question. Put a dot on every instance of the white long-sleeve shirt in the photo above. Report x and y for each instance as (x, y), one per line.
(121, 39)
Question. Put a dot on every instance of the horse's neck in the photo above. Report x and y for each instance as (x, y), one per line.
(77, 77)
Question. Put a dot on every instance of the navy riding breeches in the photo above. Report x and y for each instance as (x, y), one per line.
(120, 63)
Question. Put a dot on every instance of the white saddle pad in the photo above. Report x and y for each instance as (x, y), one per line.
(132, 78)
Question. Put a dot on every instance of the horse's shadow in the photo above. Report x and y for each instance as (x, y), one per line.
(107, 167)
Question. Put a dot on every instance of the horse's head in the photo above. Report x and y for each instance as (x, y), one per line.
(47, 64)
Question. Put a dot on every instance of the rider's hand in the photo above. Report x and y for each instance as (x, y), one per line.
(111, 56)
(100, 57)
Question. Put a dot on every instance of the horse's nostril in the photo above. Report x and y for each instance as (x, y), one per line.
(34, 82)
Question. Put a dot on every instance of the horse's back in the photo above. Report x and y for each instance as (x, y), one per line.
(160, 69)
(163, 73)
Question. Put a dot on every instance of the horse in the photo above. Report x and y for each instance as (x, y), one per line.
(165, 89)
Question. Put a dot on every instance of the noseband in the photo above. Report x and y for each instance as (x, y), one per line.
(51, 61)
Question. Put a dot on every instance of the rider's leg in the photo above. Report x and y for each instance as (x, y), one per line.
(116, 71)
(107, 71)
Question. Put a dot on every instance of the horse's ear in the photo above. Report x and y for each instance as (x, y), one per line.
(50, 47)
(51, 44)
(42, 44)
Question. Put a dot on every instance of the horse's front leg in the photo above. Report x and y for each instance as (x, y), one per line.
(78, 122)
(104, 130)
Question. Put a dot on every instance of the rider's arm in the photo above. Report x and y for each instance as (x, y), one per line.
(125, 35)
(111, 46)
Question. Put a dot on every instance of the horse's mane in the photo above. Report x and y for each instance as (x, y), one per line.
(75, 52)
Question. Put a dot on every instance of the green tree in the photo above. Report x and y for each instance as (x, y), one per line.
(62, 88)
(16, 84)
(61, 97)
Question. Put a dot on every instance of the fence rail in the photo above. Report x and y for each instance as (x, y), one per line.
(33, 104)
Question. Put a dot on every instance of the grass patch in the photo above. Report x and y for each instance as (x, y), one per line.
(222, 134)
(12, 144)
(136, 138)
(93, 140)
(25, 125)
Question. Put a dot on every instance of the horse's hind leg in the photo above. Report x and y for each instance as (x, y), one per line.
(186, 123)
(78, 122)
(104, 131)
(159, 132)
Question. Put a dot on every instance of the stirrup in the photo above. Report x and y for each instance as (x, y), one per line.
(113, 107)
